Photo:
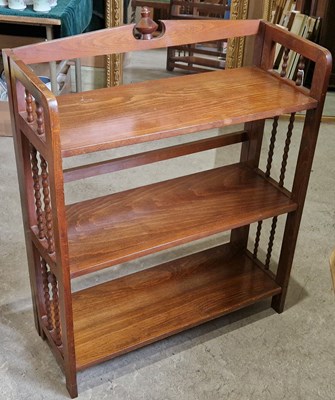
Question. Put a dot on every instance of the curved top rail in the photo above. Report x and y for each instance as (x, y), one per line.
(121, 39)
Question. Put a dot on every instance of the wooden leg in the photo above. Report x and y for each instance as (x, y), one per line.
(70, 367)
(239, 237)
(299, 189)
(72, 388)
(285, 262)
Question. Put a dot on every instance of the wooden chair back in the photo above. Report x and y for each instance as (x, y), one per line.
(199, 57)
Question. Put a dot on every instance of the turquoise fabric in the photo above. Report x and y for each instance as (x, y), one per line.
(75, 15)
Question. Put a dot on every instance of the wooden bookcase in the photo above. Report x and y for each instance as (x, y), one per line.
(65, 241)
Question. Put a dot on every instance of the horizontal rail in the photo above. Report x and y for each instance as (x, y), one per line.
(135, 160)
(121, 39)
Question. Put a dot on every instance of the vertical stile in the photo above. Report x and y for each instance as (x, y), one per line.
(29, 106)
(37, 192)
(47, 207)
(46, 293)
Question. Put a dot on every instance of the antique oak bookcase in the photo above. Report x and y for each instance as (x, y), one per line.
(68, 240)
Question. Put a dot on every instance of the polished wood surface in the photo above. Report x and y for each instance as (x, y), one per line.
(231, 97)
(122, 315)
(145, 218)
(67, 240)
(121, 40)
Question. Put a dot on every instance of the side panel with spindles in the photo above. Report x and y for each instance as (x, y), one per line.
(305, 156)
(40, 173)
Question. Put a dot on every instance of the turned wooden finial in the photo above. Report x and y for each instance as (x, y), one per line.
(146, 26)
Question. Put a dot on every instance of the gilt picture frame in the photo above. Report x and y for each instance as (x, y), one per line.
(268, 6)
(235, 47)
(113, 17)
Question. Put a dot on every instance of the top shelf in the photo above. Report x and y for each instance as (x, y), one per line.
(151, 110)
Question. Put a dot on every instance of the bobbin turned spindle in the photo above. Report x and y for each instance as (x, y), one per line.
(146, 26)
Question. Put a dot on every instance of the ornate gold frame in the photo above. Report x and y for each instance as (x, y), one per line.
(235, 48)
(113, 17)
(239, 10)
(268, 6)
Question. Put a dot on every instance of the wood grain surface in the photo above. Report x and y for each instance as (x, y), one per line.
(112, 117)
(124, 314)
(112, 229)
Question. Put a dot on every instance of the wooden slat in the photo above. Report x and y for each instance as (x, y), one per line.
(119, 227)
(112, 117)
(130, 312)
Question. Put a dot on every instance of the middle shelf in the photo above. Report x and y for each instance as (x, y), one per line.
(120, 227)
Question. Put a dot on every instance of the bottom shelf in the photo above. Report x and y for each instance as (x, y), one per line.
(121, 315)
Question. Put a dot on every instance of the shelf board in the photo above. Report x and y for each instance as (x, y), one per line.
(151, 110)
(121, 315)
(116, 228)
